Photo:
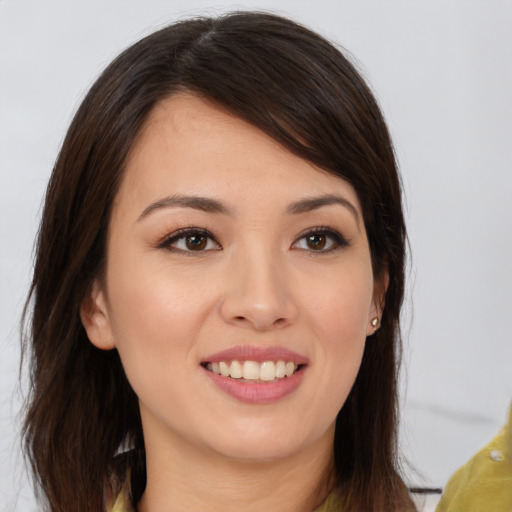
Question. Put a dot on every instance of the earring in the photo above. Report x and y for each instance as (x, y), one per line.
(375, 323)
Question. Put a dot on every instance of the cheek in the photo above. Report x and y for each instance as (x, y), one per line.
(154, 329)
(339, 312)
(154, 319)
(339, 318)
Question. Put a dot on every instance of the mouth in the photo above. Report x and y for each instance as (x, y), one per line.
(256, 375)
(253, 371)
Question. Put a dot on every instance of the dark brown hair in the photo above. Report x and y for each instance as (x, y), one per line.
(299, 89)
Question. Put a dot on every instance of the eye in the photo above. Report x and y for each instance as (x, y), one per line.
(321, 240)
(190, 240)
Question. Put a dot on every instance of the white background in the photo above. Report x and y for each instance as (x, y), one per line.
(442, 71)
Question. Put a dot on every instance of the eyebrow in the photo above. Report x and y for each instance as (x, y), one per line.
(313, 203)
(204, 204)
(209, 205)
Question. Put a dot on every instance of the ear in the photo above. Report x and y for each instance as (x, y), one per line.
(95, 319)
(380, 287)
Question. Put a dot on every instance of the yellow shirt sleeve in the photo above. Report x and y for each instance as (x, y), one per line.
(484, 483)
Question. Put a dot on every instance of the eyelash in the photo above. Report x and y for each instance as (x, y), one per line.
(167, 242)
(338, 240)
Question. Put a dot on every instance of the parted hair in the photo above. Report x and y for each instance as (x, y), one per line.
(305, 93)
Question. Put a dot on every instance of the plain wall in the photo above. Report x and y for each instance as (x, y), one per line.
(442, 72)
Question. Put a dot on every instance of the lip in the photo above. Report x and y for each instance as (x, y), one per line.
(257, 392)
(257, 354)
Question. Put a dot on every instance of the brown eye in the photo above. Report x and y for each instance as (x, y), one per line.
(316, 242)
(196, 242)
(321, 240)
(190, 240)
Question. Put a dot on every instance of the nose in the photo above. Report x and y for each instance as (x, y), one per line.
(258, 293)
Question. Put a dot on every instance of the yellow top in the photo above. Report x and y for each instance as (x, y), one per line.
(122, 504)
(484, 484)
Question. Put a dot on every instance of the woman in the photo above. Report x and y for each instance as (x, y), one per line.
(219, 276)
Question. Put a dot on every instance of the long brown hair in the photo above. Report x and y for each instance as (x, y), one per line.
(302, 91)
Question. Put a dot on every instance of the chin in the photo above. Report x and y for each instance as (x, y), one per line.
(256, 453)
(261, 443)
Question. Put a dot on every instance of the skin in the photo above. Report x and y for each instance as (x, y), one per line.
(258, 282)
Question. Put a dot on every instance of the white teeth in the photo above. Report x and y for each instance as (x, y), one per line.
(268, 370)
(252, 370)
(224, 369)
(280, 369)
(235, 370)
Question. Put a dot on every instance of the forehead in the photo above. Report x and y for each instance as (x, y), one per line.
(191, 145)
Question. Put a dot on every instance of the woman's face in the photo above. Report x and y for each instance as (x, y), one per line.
(227, 253)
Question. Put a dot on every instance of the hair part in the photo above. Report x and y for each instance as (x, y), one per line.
(301, 91)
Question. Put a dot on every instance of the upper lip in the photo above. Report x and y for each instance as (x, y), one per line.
(257, 354)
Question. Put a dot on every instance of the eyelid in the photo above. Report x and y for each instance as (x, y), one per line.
(167, 241)
(340, 241)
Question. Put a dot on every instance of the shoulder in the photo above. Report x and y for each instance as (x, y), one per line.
(485, 481)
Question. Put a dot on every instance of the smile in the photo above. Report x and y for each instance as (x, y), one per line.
(265, 371)
(255, 374)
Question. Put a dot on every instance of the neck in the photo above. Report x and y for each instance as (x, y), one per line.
(185, 478)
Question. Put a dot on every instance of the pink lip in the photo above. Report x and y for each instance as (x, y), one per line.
(258, 392)
(256, 353)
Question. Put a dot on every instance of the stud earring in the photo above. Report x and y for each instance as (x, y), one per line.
(375, 323)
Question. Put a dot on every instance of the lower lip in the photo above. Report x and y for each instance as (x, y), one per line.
(258, 392)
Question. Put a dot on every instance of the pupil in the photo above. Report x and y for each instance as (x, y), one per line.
(196, 242)
(316, 241)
